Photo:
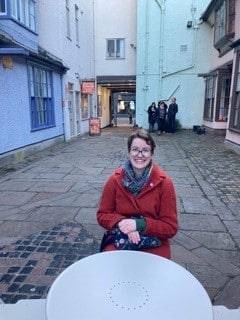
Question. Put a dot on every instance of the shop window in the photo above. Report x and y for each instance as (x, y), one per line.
(84, 106)
(222, 108)
(24, 12)
(224, 25)
(209, 98)
(42, 107)
(115, 48)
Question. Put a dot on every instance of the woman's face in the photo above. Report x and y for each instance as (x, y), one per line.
(140, 155)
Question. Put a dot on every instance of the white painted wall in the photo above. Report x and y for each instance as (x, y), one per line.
(115, 19)
(79, 58)
(164, 69)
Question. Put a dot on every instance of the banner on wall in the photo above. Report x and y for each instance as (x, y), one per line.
(88, 87)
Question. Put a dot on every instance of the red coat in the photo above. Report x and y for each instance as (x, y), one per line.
(156, 202)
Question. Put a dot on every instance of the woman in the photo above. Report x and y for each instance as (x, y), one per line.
(140, 188)
(161, 116)
(152, 116)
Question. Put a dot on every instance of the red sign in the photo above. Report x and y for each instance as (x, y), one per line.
(94, 126)
(88, 87)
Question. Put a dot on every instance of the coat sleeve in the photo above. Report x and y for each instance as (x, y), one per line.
(165, 225)
(107, 216)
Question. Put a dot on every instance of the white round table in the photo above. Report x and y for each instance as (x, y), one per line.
(127, 285)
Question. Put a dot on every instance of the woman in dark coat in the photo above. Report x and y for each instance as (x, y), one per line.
(161, 116)
(152, 116)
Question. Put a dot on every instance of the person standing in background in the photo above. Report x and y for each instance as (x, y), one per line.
(172, 111)
(161, 116)
(152, 116)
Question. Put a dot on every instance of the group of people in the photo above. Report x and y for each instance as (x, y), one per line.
(158, 114)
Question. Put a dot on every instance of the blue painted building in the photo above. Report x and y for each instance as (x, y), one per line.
(31, 115)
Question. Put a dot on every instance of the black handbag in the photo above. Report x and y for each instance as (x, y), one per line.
(121, 241)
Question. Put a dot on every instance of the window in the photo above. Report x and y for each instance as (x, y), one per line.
(224, 25)
(220, 28)
(77, 24)
(68, 19)
(209, 98)
(115, 48)
(224, 92)
(24, 12)
(3, 8)
(235, 109)
(84, 106)
(42, 109)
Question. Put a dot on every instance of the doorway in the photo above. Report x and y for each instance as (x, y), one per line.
(123, 108)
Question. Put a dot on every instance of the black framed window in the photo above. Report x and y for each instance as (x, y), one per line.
(224, 97)
(224, 25)
(234, 122)
(209, 98)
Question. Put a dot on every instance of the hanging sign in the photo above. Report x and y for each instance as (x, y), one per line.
(88, 87)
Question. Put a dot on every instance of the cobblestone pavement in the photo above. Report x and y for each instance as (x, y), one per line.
(48, 205)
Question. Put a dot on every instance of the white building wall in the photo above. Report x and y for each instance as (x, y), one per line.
(116, 19)
(77, 56)
(170, 56)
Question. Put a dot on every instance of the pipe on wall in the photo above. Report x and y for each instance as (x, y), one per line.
(161, 5)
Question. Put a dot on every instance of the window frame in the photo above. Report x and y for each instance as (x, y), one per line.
(4, 4)
(77, 25)
(68, 23)
(115, 48)
(24, 12)
(224, 29)
(223, 96)
(40, 81)
(234, 121)
(209, 98)
(85, 106)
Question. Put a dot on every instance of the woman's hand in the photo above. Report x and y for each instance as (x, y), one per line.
(127, 225)
(134, 237)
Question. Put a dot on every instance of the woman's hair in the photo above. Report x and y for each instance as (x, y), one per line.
(144, 135)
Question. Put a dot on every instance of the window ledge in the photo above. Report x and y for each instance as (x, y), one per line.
(224, 41)
(234, 130)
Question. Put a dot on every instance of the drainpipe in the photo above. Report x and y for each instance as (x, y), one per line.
(161, 6)
(145, 79)
(94, 61)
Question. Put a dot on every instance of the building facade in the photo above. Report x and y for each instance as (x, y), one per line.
(115, 52)
(172, 48)
(222, 79)
(30, 80)
(65, 62)
(46, 74)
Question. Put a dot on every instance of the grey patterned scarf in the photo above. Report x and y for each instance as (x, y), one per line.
(131, 181)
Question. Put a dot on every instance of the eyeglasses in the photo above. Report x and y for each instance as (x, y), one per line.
(135, 151)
